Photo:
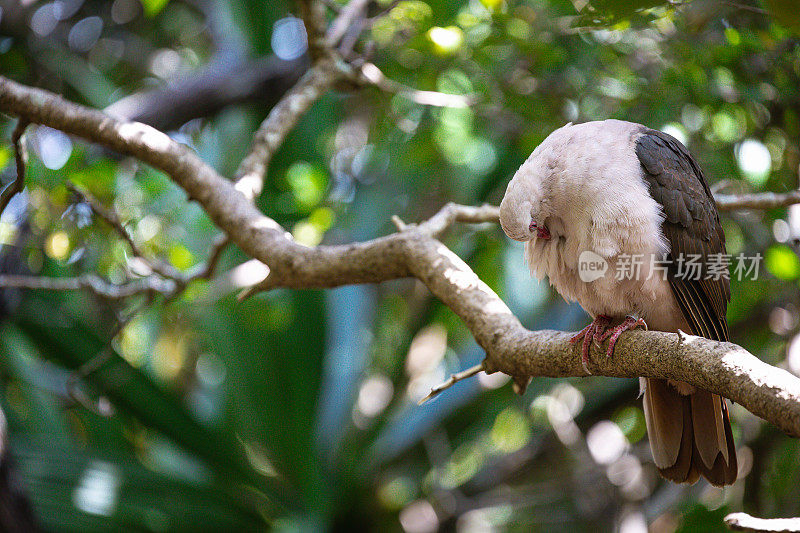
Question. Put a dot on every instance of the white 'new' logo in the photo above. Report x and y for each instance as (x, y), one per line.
(591, 266)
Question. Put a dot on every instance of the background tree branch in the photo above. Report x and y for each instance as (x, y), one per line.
(21, 158)
(221, 84)
(759, 200)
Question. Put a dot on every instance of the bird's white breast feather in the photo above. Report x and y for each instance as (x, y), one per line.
(593, 180)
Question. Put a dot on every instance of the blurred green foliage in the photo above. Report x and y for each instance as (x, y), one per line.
(296, 410)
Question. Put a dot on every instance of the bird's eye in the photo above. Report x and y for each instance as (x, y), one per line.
(533, 225)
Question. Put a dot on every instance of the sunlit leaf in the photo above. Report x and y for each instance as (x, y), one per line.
(782, 262)
(153, 7)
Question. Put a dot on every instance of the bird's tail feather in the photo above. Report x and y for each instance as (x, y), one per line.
(690, 435)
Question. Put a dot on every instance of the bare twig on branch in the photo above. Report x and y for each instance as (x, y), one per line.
(383, 11)
(452, 380)
(21, 158)
(723, 368)
(745, 522)
(206, 269)
(451, 213)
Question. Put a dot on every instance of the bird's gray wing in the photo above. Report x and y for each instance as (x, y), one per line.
(691, 226)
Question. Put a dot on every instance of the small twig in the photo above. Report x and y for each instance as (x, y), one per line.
(745, 522)
(398, 223)
(112, 219)
(451, 213)
(452, 380)
(351, 36)
(343, 21)
(200, 271)
(373, 75)
(383, 12)
(21, 157)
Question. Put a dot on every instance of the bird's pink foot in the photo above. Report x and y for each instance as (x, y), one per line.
(629, 323)
(593, 332)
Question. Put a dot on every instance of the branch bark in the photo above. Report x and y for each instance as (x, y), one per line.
(724, 368)
(745, 522)
(760, 200)
(220, 84)
(280, 121)
(92, 283)
(21, 158)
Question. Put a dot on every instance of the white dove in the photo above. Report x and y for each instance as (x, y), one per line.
(631, 199)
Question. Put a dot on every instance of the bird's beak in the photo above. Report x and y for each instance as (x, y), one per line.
(543, 233)
(540, 229)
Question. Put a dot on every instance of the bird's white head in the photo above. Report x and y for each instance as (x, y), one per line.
(525, 208)
(527, 211)
(554, 188)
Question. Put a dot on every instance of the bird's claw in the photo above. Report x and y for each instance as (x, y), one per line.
(630, 322)
(593, 332)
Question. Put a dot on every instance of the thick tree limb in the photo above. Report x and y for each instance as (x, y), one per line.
(724, 368)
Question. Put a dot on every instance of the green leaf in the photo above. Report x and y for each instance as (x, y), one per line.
(782, 262)
(153, 7)
(70, 342)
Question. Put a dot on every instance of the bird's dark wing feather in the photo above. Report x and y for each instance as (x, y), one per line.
(691, 226)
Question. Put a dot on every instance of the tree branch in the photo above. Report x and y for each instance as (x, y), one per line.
(281, 119)
(312, 13)
(723, 368)
(206, 269)
(93, 283)
(348, 14)
(21, 158)
(760, 200)
(745, 522)
(372, 75)
(110, 217)
(220, 84)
